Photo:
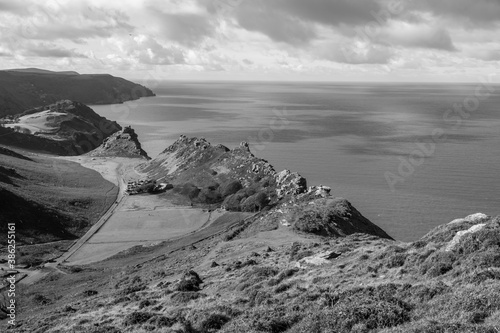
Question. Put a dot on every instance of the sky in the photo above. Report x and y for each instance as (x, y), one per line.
(316, 40)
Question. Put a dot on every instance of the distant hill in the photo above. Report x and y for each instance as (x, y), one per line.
(62, 128)
(41, 71)
(22, 89)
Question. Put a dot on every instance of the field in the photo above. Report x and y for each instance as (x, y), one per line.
(128, 228)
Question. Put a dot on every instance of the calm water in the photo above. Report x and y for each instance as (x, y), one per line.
(352, 137)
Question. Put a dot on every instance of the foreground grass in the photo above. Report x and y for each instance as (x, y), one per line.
(255, 284)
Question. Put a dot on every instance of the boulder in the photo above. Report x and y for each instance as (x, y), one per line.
(289, 183)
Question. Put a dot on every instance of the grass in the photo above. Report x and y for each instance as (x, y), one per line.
(51, 200)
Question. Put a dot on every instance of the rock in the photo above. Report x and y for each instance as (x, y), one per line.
(331, 217)
(332, 255)
(322, 191)
(473, 218)
(289, 183)
(121, 144)
(458, 236)
(214, 264)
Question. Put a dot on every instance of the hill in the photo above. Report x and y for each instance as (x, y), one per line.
(23, 89)
(63, 128)
(48, 198)
(276, 282)
(41, 71)
(124, 143)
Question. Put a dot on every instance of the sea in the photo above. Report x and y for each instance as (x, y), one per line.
(409, 157)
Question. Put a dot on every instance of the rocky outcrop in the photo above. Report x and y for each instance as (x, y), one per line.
(290, 183)
(124, 143)
(63, 128)
(328, 217)
(238, 181)
(197, 162)
(21, 90)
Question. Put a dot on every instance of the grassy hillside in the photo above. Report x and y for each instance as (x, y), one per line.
(48, 198)
(62, 128)
(22, 90)
(279, 281)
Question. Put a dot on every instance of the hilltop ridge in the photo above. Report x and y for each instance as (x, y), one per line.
(62, 128)
(124, 143)
(22, 89)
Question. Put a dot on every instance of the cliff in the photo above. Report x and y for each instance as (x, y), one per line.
(24, 89)
(124, 143)
(63, 128)
(237, 180)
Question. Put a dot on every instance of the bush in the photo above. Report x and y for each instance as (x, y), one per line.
(438, 263)
(189, 282)
(213, 323)
(162, 321)
(396, 260)
(184, 297)
(145, 303)
(136, 318)
(231, 188)
(89, 293)
(209, 195)
(255, 202)
(41, 299)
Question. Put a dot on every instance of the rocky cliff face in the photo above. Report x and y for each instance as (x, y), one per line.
(235, 173)
(63, 128)
(24, 89)
(124, 143)
(236, 180)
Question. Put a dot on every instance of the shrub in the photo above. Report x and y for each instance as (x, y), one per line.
(189, 282)
(396, 260)
(136, 318)
(183, 297)
(145, 303)
(283, 287)
(255, 202)
(105, 329)
(438, 263)
(132, 289)
(213, 323)
(162, 321)
(41, 299)
(231, 188)
(89, 293)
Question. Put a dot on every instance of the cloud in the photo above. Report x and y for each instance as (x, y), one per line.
(14, 7)
(148, 51)
(416, 35)
(295, 21)
(76, 21)
(184, 28)
(355, 53)
(333, 13)
(485, 54)
(476, 13)
(278, 26)
(51, 51)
